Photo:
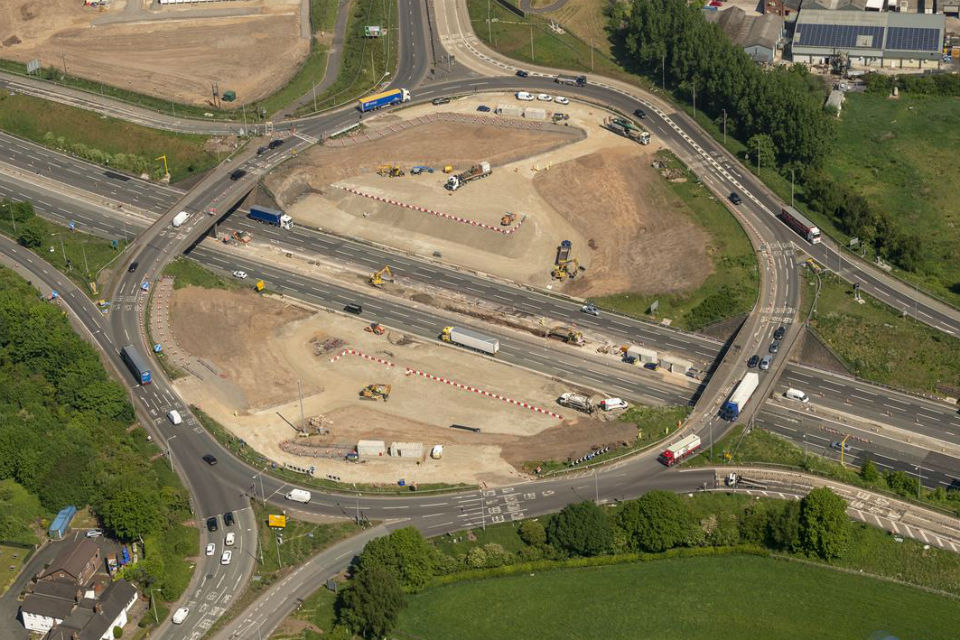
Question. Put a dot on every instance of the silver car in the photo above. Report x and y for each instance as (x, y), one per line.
(765, 363)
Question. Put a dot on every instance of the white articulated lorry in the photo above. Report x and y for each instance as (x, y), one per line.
(471, 340)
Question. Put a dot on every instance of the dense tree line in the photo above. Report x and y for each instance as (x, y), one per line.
(938, 84)
(671, 41)
(63, 435)
(404, 562)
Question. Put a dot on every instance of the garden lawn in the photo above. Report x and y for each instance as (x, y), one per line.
(716, 598)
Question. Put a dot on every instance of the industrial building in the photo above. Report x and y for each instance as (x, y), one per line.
(868, 39)
(758, 35)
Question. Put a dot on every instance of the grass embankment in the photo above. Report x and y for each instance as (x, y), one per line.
(724, 597)
(105, 141)
(653, 424)
(239, 448)
(366, 62)
(280, 551)
(732, 287)
(78, 255)
(879, 343)
(187, 273)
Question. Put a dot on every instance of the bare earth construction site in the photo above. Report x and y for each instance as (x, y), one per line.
(261, 347)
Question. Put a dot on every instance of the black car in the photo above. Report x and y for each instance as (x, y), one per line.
(521, 73)
(228, 519)
(441, 100)
(275, 143)
(779, 333)
(640, 113)
(133, 267)
(261, 151)
(774, 346)
(212, 524)
(236, 175)
(353, 308)
(483, 108)
(209, 459)
(735, 198)
(752, 362)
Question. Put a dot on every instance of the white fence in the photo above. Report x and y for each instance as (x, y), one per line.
(189, 1)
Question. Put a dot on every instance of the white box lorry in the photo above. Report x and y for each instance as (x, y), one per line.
(180, 218)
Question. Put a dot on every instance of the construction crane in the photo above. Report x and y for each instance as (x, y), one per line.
(377, 278)
(377, 391)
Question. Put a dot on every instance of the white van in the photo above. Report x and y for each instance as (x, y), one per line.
(180, 615)
(524, 95)
(174, 417)
(796, 394)
(299, 495)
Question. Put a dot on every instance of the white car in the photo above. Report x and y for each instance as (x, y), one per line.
(180, 615)
(544, 97)
(225, 558)
(231, 538)
(610, 404)
(211, 549)
(94, 533)
(523, 95)
(240, 274)
(174, 417)
(561, 100)
(590, 309)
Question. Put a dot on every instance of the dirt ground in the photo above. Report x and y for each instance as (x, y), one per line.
(623, 228)
(264, 346)
(252, 47)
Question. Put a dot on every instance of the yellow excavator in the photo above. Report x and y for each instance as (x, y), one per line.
(567, 334)
(566, 269)
(390, 171)
(376, 391)
(377, 278)
(508, 219)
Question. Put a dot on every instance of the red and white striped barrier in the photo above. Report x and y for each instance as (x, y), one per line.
(361, 354)
(441, 214)
(465, 387)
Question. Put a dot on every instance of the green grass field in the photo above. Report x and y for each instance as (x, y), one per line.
(878, 343)
(733, 597)
(730, 290)
(11, 559)
(102, 140)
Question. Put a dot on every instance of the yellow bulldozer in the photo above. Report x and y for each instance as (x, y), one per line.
(376, 391)
(377, 278)
(390, 171)
(508, 219)
(567, 334)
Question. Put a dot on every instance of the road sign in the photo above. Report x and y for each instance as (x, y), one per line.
(33, 66)
(276, 521)
(372, 31)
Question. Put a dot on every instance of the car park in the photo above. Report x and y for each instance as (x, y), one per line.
(441, 100)
(94, 533)
(521, 73)
(483, 108)
(544, 97)
(211, 548)
(228, 519)
(180, 615)
(240, 274)
(209, 459)
(590, 309)
(230, 539)
(523, 95)
(561, 100)
(779, 333)
(775, 346)
(753, 361)
(236, 175)
(735, 198)
(226, 557)
(765, 363)
(212, 524)
(278, 142)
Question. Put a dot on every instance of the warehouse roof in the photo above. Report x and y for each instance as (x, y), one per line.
(820, 31)
(749, 30)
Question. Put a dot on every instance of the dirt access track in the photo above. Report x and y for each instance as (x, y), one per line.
(174, 52)
(258, 348)
(575, 181)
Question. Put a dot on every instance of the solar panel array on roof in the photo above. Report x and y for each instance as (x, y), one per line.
(846, 36)
(913, 39)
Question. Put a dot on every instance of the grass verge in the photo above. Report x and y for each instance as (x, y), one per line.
(280, 552)
(12, 558)
(78, 255)
(584, 603)
(105, 141)
(187, 273)
(366, 62)
(732, 287)
(239, 448)
(878, 343)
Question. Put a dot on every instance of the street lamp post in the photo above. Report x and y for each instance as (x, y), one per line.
(596, 486)
(791, 187)
(724, 127)
(919, 480)
(153, 601)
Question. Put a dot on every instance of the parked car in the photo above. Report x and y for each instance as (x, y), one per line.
(228, 519)
(561, 100)
(211, 548)
(544, 97)
(522, 73)
(226, 557)
(779, 333)
(775, 346)
(212, 524)
(240, 274)
(209, 459)
(483, 108)
(94, 533)
(524, 95)
(261, 151)
(753, 361)
(236, 175)
(609, 404)
(230, 539)
(278, 142)
(765, 363)
(441, 100)
(735, 198)
(133, 267)
(590, 309)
